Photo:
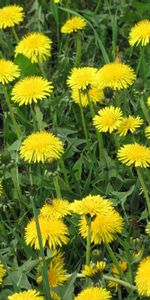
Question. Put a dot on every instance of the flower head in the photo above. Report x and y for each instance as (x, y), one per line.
(134, 154)
(129, 124)
(116, 76)
(147, 132)
(94, 93)
(142, 278)
(140, 33)
(148, 101)
(56, 209)
(115, 273)
(42, 147)
(82, 78)
(8, 71)
(103, 227)
(91, 205)
(54, 233)
(108, 119)
(72, 25)
(26, 295)
(2, 272)
(11, 15)
(94, 293)
(35, 46)
(94, 270)
(31, 89)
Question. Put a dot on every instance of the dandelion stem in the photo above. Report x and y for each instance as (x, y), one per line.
(88, 244)
(114, 259)
(63, 168)
(78, 50)
(42, 70)
(84, 125)
(122, 282)
(15, 34)
(99, 135)
(46, 284)
(144, 189)
(57, 187)
(17, 129)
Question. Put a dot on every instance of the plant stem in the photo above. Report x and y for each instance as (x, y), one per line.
(144, 189)
(15, 34)
(122, 282)
(42, 70)
(88, 246)
(84, 125)
(114, 259)
(78, 50)
(99, 135)
(17, 129)
(46, 284)
(57, 187)
(63, 168)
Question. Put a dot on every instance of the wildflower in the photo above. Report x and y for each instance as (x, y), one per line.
(91, 205)
(54, 233)
(116, 76)
(115, 273)
(26, 295)
(148, 101)
(56, 209)
(56, 271)
(72, 25)
(2, 272)
(103, 227)
(35, 46)
(42, 147)
(129, 124)
(93, 270)
(142, 278)
(108, 119)
(82, 78)
(95, 94)
(8, 71)
(147, 132)
(140, 33)
(31, 89)
(11, 15)
(134, 154)
(94, 293)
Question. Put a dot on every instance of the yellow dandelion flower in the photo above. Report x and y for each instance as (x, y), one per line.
(2, 272)
(31, 89)
(82, 78)
(116, 76)
(94, 270)
(108, 119)
(134, 154)
(54, 296)
(94, 293)
(42, 147)
(26, 295)
(103, 228)
(54, 233)
(115, 273)
(91, 204)
(129, 124)
(55, 209)
(35, 46)
(8, 71)
(72, 25)
(147, 132)
(142, 278)
(148, 101)
(94, 93)
(11, 15)
(56, 271)
(140, 33)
